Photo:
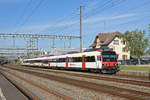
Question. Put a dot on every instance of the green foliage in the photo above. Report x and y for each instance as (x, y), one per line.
(149, 29)
(148, 50)
(136, 41)
(18, 63)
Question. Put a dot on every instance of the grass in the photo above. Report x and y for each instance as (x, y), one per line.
(138, 68)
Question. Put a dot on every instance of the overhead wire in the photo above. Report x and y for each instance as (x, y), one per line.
(23, 12)
(30, 15)
(72, 15)
(131, 9)
(102, 5)
(106, 5)
(136, 20)
(135, 7)
(67, 16)
(70, 25)
(59, 21)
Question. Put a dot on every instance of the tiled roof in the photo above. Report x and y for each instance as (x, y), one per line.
(105, 38)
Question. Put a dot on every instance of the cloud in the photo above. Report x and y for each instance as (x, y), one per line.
(98, 19)
(44, 27)
(91, 5)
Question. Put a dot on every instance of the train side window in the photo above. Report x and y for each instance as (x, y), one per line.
(70, 59)
(50, 60)
(37, 61)
(90, 59)
(77, 59)
(98, 58)
(45, 61)
(57, 60)
(54, 60)
(61, 59)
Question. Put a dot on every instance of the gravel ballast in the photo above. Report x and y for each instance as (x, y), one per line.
(110, 83)
(69, 90)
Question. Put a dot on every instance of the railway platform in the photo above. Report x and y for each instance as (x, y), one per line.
(8, 91)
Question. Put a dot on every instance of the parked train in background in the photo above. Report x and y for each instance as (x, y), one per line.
(102, 61)
(2, 62)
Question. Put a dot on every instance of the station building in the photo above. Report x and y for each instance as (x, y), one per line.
(114, 42)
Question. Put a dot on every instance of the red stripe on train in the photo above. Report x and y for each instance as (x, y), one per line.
(66, 62)
(83, 63)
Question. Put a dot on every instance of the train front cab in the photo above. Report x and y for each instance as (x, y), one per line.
(109, 63)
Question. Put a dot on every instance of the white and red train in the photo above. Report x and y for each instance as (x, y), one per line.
(103, 61)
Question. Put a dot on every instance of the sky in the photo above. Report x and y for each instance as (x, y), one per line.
(61, 17)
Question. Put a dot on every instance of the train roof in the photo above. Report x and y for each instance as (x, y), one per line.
(78, 54)
(74, 54)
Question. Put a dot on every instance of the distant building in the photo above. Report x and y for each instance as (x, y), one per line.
(112, 41)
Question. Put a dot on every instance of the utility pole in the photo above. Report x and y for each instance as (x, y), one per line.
(80, 28)
(37, 44)
(14, 42)
(64, 44)
(69, 43)
(53, 44)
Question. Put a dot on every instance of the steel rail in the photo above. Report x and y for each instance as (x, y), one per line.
(64, 97)
(19, 87)
(120, 80)
(126, 93)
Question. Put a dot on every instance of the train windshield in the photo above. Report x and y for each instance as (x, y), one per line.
(109, 56)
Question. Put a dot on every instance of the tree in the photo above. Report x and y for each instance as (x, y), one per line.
(136, 42)
(148, 50)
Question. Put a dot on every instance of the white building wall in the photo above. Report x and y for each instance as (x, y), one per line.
(118, 48)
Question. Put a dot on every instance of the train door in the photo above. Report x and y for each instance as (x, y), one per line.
(67, 60)
(83, 62)
(98, 61)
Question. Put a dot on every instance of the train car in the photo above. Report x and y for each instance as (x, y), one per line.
(102, 61)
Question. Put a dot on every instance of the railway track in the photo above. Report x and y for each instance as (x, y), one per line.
(28, 93)
(19, 87)
(120, 80)
(105, 78)
(125, 93)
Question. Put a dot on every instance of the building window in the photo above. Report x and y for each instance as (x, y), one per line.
(123, 42)
(117, 55)
(124, 57)
(124, 50)
(116, 42)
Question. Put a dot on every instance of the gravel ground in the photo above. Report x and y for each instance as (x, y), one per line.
(135, 73)
(69, 90)
(110, 83)
(42, 95)
(97, 74)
